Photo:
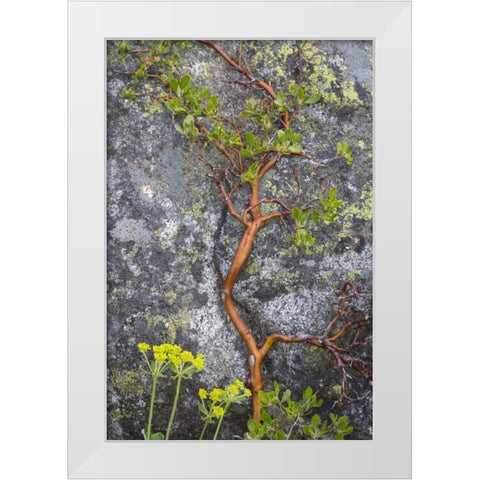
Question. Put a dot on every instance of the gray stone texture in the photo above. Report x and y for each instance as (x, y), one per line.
(170, 238)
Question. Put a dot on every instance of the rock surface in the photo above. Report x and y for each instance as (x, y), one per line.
(171, 240)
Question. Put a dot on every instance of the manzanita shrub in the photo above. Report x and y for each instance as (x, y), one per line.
(237, 150)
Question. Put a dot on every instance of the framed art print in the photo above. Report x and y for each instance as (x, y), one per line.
(239, 240)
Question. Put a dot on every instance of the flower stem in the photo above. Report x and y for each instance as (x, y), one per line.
(204, 430)
(152, 401)
(218, 428)
(174, 407)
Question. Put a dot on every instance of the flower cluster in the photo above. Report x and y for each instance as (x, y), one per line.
(182, 362)
(214, 404)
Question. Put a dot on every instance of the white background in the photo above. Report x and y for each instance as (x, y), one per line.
(33, 239)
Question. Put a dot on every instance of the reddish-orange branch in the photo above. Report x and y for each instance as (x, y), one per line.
(254, 358)
(244, 71)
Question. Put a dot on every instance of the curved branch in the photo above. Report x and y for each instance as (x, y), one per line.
(237, 67)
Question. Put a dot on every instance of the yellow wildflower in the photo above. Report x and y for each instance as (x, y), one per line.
(202, 393)
(233, 389)
(186, 356)
(198, 362)
(143, 347)
(215, 394)
(167, 348)
(218, 411)
(247, 392)
(159, 348)
(160, 357)
(239, 383)
(175, 359)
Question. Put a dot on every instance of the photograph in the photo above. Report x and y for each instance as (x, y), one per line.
(239, 239)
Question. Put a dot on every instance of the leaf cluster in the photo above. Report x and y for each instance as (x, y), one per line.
(326, 212)
(345, 151)
(283, 418)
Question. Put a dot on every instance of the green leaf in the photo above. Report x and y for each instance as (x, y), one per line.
(280, 100)
(157, 436)
(315, 98)
(251, 174)
(188, 122)
(251, 425)
(276, 387)
(323, 430)
(296, 213)
(265, 416)
(263, 396)
(286, 395)
(295, 148)
(307, 393)
(343, 422)
(144, 433)
(178, 128)
(123, 47)
(307, 430)
(339, 436)
(250, 140)
(184, 81)
(315, 420)
(140, 72)
(211, 104)
(280, 435)
(173, 83)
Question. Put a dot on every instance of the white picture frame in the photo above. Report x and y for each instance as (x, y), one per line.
(388, 24)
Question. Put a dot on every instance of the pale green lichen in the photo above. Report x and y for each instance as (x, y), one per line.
(167, 233)
(173, 324)
(283, 53)
(193, 254)
(351, 275)
(154, 320)
(349, 93)
(127, 382)
(171, 296)
(118, 415)
(252, 268)
(361, 209)
(285, 275)
(152, 106)
(270, 187)
(314, 357)
(336, 389)
(196, 211)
